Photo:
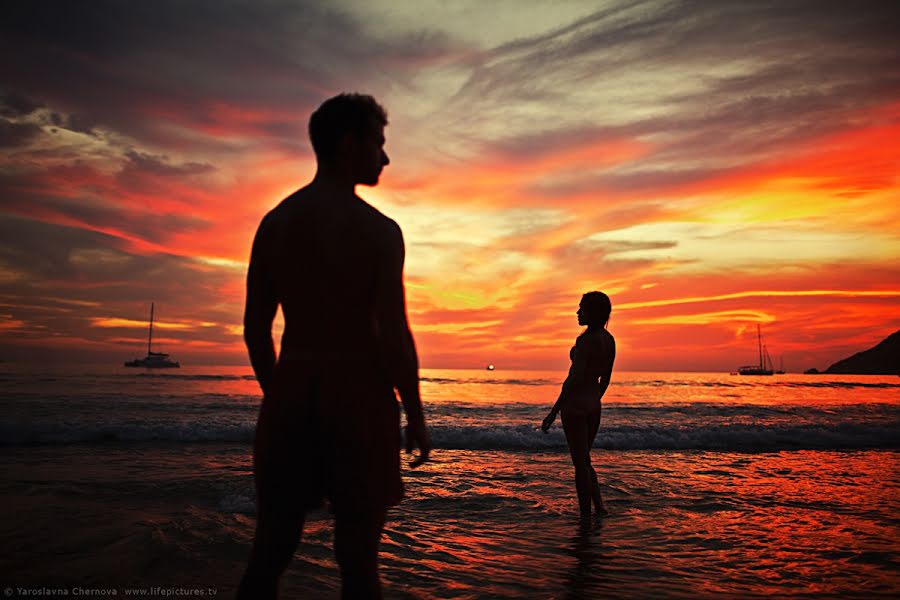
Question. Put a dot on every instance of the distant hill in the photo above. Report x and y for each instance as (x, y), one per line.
(883, 359)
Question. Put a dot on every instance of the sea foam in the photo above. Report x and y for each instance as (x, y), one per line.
(723, 437)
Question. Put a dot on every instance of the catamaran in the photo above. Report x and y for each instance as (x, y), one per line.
(765, 363)
(153, 360)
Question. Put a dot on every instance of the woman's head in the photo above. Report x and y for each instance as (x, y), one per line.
(594, 309)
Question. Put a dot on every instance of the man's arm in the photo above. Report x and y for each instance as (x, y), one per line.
(259, 312)
(398, 350)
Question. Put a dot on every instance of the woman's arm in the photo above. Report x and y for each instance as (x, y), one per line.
(563, 393)
(551, 416)
(606, 375)
(577, 375)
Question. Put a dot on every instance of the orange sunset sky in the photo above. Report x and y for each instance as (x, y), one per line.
(710, 165)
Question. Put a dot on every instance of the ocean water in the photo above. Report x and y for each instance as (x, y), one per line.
(718, 485)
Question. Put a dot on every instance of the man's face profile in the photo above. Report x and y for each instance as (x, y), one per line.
(368, 155)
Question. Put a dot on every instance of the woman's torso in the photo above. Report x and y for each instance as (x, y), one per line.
(592, 357)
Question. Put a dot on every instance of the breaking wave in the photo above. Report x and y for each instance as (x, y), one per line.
(723, 437)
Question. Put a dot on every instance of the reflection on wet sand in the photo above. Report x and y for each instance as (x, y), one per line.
(586, 547)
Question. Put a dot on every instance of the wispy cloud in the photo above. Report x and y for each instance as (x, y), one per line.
(710, 165)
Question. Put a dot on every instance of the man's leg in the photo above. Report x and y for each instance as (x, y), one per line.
(280, 511)
(357, 534)
(278, 531)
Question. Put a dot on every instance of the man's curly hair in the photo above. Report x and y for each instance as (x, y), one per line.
(340, 115)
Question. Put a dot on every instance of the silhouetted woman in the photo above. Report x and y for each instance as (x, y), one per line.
(579, 400)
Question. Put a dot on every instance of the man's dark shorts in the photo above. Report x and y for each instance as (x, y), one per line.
(328, 429)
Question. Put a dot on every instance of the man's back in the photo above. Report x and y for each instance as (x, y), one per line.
(322, 257)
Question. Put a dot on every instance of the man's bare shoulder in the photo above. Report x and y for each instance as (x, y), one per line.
(287, 205)
(280, 211)
(382, 230)
(378, 218)
(306, 202)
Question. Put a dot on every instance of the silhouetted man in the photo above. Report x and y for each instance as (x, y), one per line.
(329, 422)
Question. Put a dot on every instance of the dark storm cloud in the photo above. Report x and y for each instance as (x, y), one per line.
(131, 66)
(17, 134)
(161, 165)
(22, 126)
(76, 123)
(119, 63)
(17, 105)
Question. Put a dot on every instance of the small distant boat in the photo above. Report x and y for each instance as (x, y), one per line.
(153, 360)
(765, 363)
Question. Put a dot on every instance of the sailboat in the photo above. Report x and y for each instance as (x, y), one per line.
(765, 363)
(153, 360)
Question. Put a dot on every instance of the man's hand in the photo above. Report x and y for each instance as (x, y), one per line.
(548, 421)
(417, 436)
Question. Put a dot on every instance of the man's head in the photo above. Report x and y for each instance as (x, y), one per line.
(347, 132)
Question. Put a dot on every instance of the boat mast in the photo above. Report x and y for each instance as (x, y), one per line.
(758, 338)
(150, 337)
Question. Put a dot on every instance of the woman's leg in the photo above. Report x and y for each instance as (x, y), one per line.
(577, 430)
(593, 426)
